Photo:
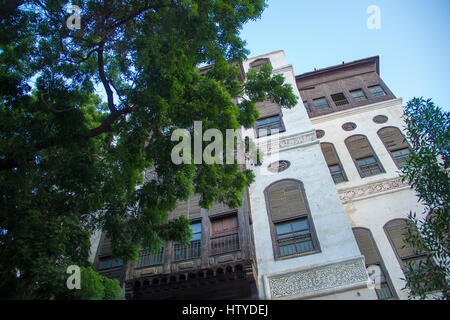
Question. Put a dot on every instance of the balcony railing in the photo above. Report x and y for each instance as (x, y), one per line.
(225, 244)
(191, 251)
(149, 259)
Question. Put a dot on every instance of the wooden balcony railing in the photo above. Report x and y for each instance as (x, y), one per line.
(191, 251)
(225, 244)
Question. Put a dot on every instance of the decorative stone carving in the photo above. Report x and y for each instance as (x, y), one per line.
(311, 281)
(369, 189)
(278, 166)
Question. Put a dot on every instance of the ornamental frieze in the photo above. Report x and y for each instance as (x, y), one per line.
(370, 189)
(309, 282)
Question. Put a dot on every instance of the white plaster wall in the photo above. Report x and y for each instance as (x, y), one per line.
(376, 210)
(307, 165)
(373, 213)
(362, 116)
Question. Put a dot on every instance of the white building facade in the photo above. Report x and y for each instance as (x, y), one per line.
(353, 202)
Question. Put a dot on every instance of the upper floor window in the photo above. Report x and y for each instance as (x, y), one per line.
(333, 163)
(395, 231)
(224, 234)
(358, 95)
(291, 224)
(258, 63)
(369, 250)
(109, 262)
(321, 104)
(190, 208)
(193, 249)
(339, 99)
(363, 155)
(396, 144)
(377, 91)
(269, 126)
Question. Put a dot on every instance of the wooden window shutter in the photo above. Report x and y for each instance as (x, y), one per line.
(329, 154)
(393, 139)
(359, 147)
(181, 209)
(224, 226)
(395, 229)
(286, 200)
(267, 109)
(366, 246)
(219, 207)
(194, 207)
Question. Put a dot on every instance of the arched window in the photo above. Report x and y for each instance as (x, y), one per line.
(363, 155)
(333, 163)
(395, 231)
(395, 143)
(291, 224)
(369, 250)
(259, 62)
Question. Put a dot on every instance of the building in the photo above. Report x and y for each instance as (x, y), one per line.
(326, 209)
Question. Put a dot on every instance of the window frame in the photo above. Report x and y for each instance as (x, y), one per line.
(381, 263)
(272, 223)
(212, 236)
(339, 163)
(194, 221)
(374, 155)
(324, 109)
(339, 101)
(258, 63)
(401, 261)
(359, 100)
(387, 149)
(377, 95)
(256, 127)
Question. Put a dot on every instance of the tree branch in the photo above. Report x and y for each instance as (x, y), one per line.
(101, 71)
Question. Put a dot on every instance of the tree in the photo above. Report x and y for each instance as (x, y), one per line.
(72, 162)
(427, 171)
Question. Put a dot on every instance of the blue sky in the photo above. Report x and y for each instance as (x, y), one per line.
(413, 42)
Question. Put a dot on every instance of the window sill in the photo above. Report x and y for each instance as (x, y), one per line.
(297, 255)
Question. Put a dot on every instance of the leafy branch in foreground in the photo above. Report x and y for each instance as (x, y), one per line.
(427, 171)
(72, 162)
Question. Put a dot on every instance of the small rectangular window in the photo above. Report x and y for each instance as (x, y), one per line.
(368, 166)
(321, 104)
(377, 91)
(294, 237)
(192, 250)
(336, 173)
(400, 156)
(109, 262)
(358, 95)
(269, 126)
(339, 99)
